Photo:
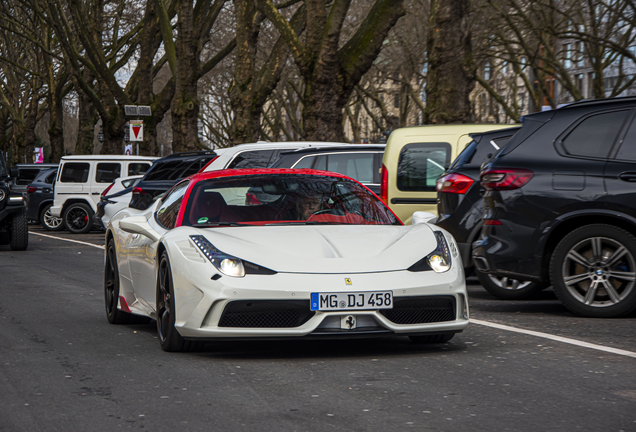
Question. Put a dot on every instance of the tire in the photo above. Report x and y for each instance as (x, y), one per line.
(593, 271)
(78, 218)
(111, 287)
(508, 288)
(19, 232)
(169, 337)
(431, 339)
(50, 222)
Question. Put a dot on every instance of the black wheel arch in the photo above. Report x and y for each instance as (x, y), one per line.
(72, 201)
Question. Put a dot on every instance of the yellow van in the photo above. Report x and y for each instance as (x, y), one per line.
(415, 157)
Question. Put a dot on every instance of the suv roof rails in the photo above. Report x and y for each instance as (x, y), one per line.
(586, 102)
(191, 153)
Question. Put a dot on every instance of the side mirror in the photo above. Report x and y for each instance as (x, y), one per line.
(420, 217)
(14, 172)
(139, 225)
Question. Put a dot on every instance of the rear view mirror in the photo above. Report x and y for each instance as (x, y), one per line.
(14, 172)
(420, 217)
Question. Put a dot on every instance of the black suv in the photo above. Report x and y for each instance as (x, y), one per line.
(13, 220)
(164, 173)
(40, 199)
(460, 208)
(560, 206)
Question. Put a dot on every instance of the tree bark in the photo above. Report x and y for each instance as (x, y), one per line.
(87, 118)
(331, 72)
(185, 104)
(451, 70)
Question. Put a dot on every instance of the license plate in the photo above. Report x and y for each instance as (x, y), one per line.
(352, 301)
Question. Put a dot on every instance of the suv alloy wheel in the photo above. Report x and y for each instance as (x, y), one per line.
(593, 270)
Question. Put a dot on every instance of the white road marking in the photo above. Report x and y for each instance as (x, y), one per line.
(69, 240)
(556, 338)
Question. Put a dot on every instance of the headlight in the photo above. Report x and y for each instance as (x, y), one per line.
(226, 264)
(440, 258)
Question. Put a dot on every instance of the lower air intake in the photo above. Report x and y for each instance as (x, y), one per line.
(421, 309)
(266, 314)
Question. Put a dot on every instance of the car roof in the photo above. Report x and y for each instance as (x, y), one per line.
(602, 101)
(108, 157)
(264, 171)
(37, 165)
(343, 148)
(495, 132)
(284, 144)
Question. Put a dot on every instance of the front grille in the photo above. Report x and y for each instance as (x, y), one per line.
(421, 309)
(266, 313)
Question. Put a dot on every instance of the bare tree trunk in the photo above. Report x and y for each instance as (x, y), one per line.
(87, 118)
(185, 104)
(451, 71)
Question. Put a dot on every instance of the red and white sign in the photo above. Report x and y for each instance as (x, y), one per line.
(136, 130)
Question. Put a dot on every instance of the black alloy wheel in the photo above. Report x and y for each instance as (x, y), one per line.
(111, 287)
(78, 218)
(507, 288)
(19, 232)
(169, 337)
(50, 222)
(593, 270)
(433, 338)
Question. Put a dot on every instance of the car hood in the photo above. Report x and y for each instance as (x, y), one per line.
(324, 249)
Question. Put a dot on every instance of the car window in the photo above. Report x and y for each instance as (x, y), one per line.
(137, 168)
(594, 136)
(107, 172)
(27, 175)
(196, 166)
(421, 164)
(3, 168)
(169, 209)
(305, 162)
(252, 159)
(628, 147)
(479, 151)
(75, 172)
(131, 182)
(357, 165)
(167, 170)
(50, 178)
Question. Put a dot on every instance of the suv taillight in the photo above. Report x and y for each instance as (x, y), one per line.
(505, 179)
(103, 194)
(384, 185)
(138, 190)
(454, 183)
(31, 189)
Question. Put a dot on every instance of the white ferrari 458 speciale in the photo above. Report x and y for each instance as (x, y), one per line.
(297, 253)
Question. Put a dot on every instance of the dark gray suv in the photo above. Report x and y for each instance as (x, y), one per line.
(13, 220)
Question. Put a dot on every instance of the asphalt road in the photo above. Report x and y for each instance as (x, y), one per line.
(63, 367)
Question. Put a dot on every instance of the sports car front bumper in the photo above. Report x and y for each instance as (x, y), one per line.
(201, 302)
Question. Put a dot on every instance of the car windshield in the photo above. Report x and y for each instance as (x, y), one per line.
(283, 199)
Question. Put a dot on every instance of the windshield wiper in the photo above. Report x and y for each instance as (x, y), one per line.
(218, 224)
